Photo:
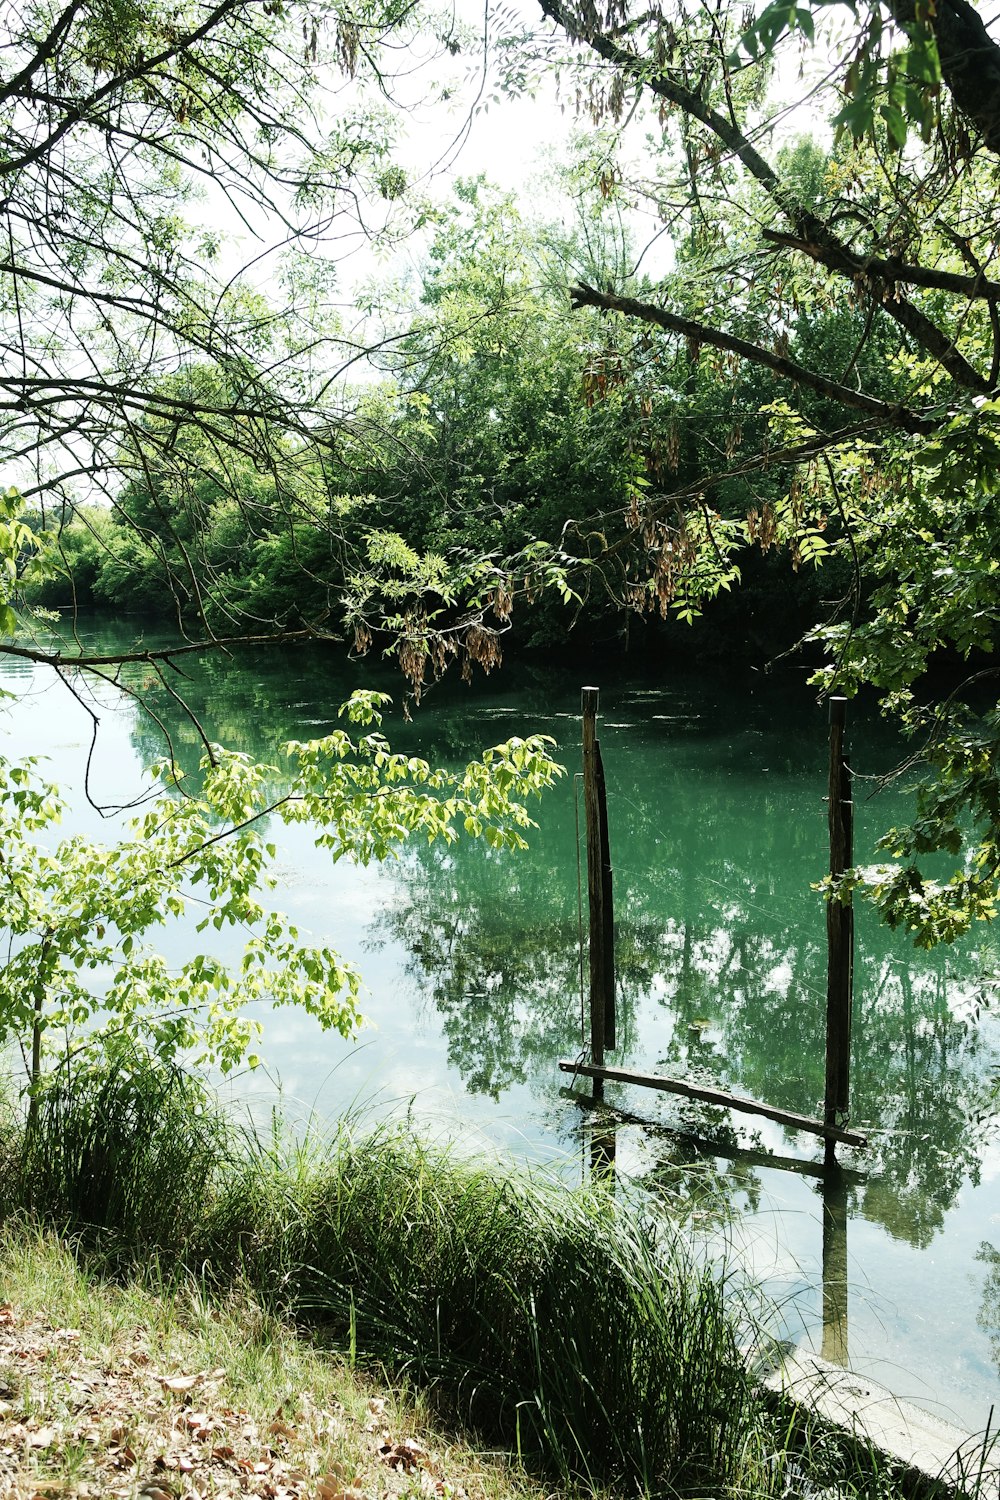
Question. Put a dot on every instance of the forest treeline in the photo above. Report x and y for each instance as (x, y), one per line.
(497, 424)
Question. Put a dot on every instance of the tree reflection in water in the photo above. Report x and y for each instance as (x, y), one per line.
(718, 829)
(494, 950)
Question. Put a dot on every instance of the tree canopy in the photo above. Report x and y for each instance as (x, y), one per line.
(180, 184)
(810, 368)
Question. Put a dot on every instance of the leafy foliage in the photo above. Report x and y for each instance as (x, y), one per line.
(78, 915)
(892, 74)
(811, 374)
(928, 542)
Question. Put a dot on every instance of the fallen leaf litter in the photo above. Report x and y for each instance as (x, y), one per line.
(76, 1426)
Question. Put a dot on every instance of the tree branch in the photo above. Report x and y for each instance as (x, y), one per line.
(84, 661)
(890, 415)
(824, 245)
(82, 110)
(970, 60)
(891, 271)
(44, 50)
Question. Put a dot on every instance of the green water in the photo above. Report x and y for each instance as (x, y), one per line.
(718, 827)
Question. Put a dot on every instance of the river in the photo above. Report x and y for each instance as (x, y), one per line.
(472, 965)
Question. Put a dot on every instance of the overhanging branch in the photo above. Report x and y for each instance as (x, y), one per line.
(893, 272)
(889, 415)
(825, 246)
(85, 661)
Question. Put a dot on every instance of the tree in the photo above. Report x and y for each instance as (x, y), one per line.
(141, 145)
(888, 460)
(81, 978)
(496, 446)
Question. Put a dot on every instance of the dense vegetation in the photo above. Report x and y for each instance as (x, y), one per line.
(790, 417)
(550, 1321)
(558, 426)
(555, 1322)
(505, 427)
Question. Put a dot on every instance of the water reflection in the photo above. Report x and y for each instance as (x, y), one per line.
(835, 1279)
(989, 1312)
(493, 950)
(700, 1179)
(603, 1138)
(717, 833)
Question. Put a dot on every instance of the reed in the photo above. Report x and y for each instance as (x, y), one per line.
(545, 1318)
(124, 1157)
(559, 1323)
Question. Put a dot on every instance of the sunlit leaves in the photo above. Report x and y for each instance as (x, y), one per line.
(925, 530)
(80, 915)
(889, 87)
(773, 23)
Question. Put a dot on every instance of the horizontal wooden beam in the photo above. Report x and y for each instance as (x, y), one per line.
(744, 1156)
(718, 1096)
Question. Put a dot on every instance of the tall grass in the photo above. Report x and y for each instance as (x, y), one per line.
(545, 1318)
(124, 1156)
(556, 1322)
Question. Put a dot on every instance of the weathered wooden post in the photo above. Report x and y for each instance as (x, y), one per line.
(839, 929)
(602, 986)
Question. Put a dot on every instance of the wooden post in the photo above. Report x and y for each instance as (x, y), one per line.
(607, 908)
(839, 929)
(595, 883)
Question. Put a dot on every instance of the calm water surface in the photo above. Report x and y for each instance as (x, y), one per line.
(471, 959)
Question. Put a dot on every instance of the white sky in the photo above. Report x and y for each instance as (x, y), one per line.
(476, 131)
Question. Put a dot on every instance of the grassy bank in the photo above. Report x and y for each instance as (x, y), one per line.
(124, 1389)
(550, 1323)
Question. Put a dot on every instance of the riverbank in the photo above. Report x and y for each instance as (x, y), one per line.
(121, 1389)
(547, 1323)
(550, 1322)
